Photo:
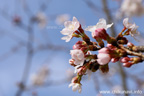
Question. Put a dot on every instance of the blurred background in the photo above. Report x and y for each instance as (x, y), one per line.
(34, 59)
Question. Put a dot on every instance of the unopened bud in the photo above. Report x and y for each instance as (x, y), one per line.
(128, 64)
(114, 60)
(123, 40)
(104, 50)
(100, 33)
(71, 62)
(136, 59)
(130, 45)
(84, 50)
(79, 45)
(110, 46)
(125, 60)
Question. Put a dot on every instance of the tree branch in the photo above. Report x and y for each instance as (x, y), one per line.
(113, 30)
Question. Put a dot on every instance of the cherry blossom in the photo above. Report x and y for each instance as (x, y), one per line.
(100, 24)
(42, 19)
(40, 77)
(75, 87)
(132, 7)
(85, 60)
(78, 57)
(60, 19)
(131, 27)
(70, 28)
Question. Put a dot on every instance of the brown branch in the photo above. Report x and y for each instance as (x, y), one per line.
(28, 61)
(113, 30)
(131, 52)
(138, 49)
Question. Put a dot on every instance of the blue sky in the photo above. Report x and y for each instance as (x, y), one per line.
(11, 68)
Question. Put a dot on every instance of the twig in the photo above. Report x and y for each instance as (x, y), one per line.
(28, 61)
(109, 18)
(132, 53)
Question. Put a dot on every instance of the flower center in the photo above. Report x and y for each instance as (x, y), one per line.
(71, 27)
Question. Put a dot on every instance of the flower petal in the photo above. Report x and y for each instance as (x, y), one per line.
(103, 58)
(65, 31)
(109, 25)
(75, 19)
(90, 28)
(67, 38)
(67, 24)
(101, 24)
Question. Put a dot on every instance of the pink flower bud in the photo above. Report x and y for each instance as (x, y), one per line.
(128, 64)
(114, 60)
(125, 59)
(100, 33)
(84, 50)
(129, 44)
(82, 70)
(103, 58)
(71, 61)
(104, 50)
(79, 45)
(110, 46)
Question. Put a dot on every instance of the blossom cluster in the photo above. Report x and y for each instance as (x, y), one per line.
(115, 49)
(131, 8)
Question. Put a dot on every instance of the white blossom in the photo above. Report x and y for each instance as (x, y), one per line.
(40, 77)
(75, 87)
(78, 57)
(131, 8)
(70, 28)
(100, 24)
(60, 19)
(42, 19)
(131, 27)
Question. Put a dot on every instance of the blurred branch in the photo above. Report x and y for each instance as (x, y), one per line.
(28, 60)
(13, 50)
(94, 8)
(26, 8)
(96, 83)
(52, 47)
(44, 5)
(140, 82)
(109, 19)
(91, 5)
(13, 36)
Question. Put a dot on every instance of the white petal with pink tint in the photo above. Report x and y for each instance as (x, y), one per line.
(70, 28)
(78, 57)
(103, 58)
